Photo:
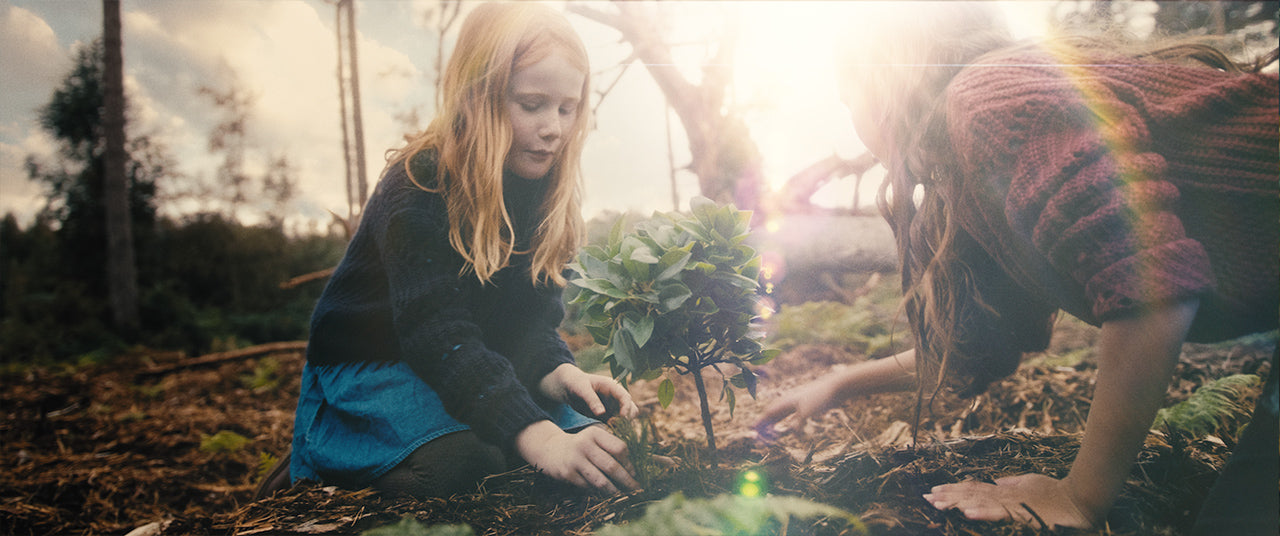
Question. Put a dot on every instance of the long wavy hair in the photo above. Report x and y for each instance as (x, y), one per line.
(904, 59)
(471, 135)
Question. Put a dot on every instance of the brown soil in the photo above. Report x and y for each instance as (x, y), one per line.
(104, 450)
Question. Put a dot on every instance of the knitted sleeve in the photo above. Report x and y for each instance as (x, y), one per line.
(437, 334)
(1083, 184)
(545, 350)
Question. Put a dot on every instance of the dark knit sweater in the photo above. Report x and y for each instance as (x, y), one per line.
(1112, 187)
(397, 296)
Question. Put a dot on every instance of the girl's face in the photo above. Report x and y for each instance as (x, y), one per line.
(542, 105)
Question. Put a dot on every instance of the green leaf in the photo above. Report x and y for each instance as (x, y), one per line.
(703, 267)
(636, 269)
(666, 392)
(728, 394)
(694, 228)
(615, 234)
(651, 374)
(744, 283)
(600, 286)
(643, 254)
(674, 262)
(745, 380)
(640, 328)
(672, 296)
(601, 334)
(624, 350)
(593, 267)
(766, 356)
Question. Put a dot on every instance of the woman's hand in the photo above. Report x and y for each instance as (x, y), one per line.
(1016, 497)
(592, 458)
(894, 373)
(599, 396)
(1136, 356)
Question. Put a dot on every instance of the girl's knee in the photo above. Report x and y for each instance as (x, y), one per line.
(449, 465)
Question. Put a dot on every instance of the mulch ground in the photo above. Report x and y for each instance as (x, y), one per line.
(109, 449)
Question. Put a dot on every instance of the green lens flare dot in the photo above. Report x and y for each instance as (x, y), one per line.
(752, 483)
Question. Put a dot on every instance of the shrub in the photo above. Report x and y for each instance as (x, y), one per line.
(677, 293)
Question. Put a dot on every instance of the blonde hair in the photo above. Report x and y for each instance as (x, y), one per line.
(471, 135)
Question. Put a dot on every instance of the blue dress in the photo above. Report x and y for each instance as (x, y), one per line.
(355, 422)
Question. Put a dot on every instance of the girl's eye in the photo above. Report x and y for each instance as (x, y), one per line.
(529, 106)
(567, 111)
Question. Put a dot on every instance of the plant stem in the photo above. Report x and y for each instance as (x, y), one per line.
(706, 411)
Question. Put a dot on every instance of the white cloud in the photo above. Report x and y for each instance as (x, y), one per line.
(32, 59)
(19, 196)
(282, 53)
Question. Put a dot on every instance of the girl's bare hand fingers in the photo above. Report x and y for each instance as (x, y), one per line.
(615, 458)
(775, 413)
(612, 469)
(597, 480)
(625, 406)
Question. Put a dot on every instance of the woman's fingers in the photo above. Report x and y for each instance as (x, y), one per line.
(974, 499)
(1025, 498)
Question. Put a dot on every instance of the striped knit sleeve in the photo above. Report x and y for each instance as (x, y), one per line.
(1083, 183)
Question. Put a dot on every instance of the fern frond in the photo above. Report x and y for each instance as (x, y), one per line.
(1211, 409)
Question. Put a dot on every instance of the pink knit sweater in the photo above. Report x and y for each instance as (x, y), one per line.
(1120, 185)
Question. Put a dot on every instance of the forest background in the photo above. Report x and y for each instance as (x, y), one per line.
(219, 239)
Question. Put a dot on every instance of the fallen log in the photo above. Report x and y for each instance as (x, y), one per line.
(307, 278)
(222, 357)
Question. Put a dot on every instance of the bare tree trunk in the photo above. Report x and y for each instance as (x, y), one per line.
(449, 11)
(342, 110)
(671, 159)
(724, 157)
(362, 187)
(122, 270)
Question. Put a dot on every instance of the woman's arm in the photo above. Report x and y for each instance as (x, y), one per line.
(1135, 360)
(893, 373)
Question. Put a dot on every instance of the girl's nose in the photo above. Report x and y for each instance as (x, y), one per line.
(550, 126)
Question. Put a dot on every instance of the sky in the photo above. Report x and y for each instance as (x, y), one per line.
(283, 52)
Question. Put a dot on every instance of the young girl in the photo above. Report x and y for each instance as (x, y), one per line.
(1138, 192)
(434, 359)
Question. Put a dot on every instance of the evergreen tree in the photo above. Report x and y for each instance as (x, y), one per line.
(75, 187)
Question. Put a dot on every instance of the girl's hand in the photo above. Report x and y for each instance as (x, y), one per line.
(592, 394)
(799, 405)
(1015, 497)
(894, 373)
(592, 458)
